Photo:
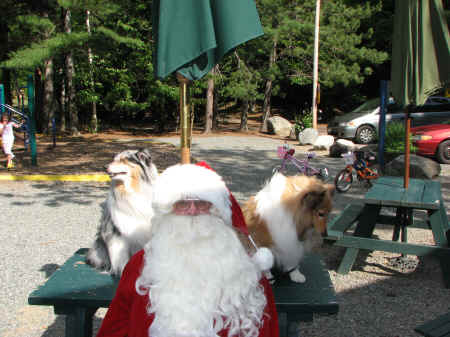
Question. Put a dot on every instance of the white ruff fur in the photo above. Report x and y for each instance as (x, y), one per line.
(132, 212)
(288, 250)
(199, 279)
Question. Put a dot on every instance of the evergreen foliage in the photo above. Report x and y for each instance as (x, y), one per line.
(354, 51)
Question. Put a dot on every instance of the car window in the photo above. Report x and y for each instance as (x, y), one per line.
(369, 105)
(393, 108)
(437, 100)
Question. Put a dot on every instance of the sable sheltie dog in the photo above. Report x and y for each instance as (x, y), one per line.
(127, 212)
(287, 216)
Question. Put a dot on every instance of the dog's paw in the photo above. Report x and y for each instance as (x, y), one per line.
(296, 276)
(269, 276)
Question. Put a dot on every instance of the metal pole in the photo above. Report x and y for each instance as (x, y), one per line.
(316, 65)
(185, 142)
(382, 123)
(407, 149)
(30, 87)
(2, 98)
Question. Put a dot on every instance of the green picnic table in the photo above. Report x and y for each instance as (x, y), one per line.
(77, 290)
(389, 192)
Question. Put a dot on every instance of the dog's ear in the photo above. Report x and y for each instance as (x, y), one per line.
(313, 199)
(145, 156)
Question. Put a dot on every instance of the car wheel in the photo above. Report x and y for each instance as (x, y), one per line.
(365, 134)
(443, 152)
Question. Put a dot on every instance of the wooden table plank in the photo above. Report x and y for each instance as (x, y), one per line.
(69, 288)
(389, 191)
(432, 193)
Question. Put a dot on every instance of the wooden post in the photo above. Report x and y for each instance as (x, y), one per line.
(185, 142)
(316, 65)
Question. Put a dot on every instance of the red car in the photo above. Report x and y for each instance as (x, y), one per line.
(433, 140)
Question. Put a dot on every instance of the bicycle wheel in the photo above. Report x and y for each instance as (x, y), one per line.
(343, 180)
(320, 173)
(323, 174)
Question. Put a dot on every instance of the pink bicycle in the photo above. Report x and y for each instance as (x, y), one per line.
(300, 166)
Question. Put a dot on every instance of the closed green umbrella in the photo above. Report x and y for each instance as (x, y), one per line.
(420, 56)
(192, 36)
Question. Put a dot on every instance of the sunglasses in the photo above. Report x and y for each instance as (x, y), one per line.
(184, 205)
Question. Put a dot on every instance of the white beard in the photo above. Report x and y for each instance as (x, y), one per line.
(200, 279)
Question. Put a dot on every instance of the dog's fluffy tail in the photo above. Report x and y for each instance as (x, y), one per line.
(98, 256)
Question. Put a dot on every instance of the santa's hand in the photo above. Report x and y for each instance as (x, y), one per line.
(263, 258)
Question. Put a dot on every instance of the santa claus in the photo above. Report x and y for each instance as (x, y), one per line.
(195, 277)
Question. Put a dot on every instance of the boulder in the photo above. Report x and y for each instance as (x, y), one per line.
(323, 142)
(279, 126)
(420, 167)
(308, 136)
(293, 135)
(341, 146)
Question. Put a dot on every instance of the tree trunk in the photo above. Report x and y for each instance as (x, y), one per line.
(268, 90)
(48, 98)
(244, 116)
(93, 123)
(38, 99)
(8, 86)
(215, 111)
(70, 92)
(6, 78)
(209, 104)
(62, 109)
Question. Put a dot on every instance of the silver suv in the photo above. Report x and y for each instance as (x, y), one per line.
(361, 124)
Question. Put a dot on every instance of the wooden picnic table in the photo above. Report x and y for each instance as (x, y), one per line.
(389, 192)
(77, 290)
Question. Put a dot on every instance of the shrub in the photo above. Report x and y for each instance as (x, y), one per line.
(394, 140)
(303, 121)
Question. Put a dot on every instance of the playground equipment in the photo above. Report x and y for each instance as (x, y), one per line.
(29, 126)
(19, 118)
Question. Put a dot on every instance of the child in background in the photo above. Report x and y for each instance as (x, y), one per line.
(6, 130)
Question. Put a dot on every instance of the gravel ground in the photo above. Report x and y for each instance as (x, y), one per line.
(44, 223)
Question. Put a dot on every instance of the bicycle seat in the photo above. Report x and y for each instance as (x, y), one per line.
(291, 152)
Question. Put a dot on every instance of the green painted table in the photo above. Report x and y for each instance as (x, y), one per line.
(389, 192)
(77, 291)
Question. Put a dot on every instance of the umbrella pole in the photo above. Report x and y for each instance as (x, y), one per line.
(407, 149)
(185, 115)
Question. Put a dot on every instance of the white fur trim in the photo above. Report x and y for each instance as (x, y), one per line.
(263, 258)
(183, 181)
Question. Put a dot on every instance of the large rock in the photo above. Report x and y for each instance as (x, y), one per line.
(323, 142)
(308, 136)
(420, 167)
(293, 135)
(279, 126)
(341, 146)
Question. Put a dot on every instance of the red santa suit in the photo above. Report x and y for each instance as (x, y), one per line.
(128, 312)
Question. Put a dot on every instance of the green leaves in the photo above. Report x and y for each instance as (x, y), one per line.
(128, 41)
(37, 53)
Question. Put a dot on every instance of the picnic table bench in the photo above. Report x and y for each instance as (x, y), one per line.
(438, 327)
(78, 290)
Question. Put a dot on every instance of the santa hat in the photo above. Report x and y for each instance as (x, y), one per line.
(185, 181)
